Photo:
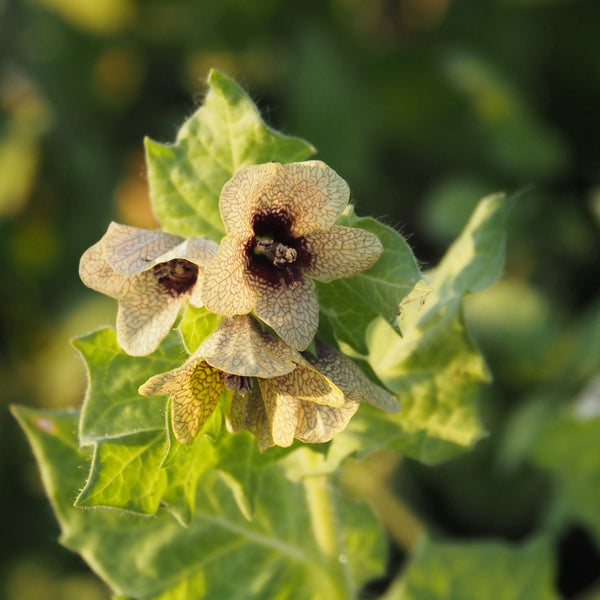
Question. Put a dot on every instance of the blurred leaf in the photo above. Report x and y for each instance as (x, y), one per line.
(350, 304)
(25, 117)
(112, 406)
(103, 17)
(447, 207)
(220, 554)
(434, 368)
(197, 324)
(224, 135)
(472, 571)
(518, 142)
(567, 447)
(518, 343)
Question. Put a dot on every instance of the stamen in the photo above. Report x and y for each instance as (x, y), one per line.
(177, 275)
(237, 383)
(279, 254)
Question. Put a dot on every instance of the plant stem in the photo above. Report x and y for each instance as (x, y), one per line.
(323, 523)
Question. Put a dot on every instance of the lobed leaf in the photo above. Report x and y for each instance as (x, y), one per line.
(220, 554)
(225, 134)
(434, 368)
(349, 305)
(112, 406)
(126, 474)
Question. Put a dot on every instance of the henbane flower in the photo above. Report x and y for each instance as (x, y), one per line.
(280, 234)
(278, 394)
(150, 273)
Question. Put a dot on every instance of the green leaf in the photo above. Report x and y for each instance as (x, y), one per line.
(434, 367)
(566, 447)
(112, 406)
(196, 325)
(126, 474)
(141, 472)
(349, 305)
(476, 570)
(220, 554)
(476, 259)
(224, 135)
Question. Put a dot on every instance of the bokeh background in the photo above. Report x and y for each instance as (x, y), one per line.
(424, 106)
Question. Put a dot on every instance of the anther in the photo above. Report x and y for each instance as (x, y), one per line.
(237, 383)
(279, 254)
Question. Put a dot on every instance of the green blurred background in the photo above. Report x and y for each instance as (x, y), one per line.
(423, 106)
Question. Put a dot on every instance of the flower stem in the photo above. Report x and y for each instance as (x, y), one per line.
(321, 510)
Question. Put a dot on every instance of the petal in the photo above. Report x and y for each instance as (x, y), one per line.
(315, 195)
(237, 346)
(281, 411)
(146, 314)
(197, 250)
(292, 311)
(200, 252)
(194, 390)
(317, 423)
(130, 250)
(353, 382)
(341, 252)
(248, 413)
(224, 287)
(310, 193)
(97, 274)
(307, 384)
(241, 195)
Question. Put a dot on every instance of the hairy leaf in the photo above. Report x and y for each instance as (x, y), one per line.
(434, 368)
(225, 134)
(112, 406)
(349, 305)
(125, 474)
(220, 554)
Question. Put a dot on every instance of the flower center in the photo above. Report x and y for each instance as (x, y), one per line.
(177, 275)
(274, 255)
(237, 383)
(279, 254)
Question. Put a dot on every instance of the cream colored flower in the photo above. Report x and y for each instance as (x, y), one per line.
(278, 394)
(287, 407)
(150, 273)
(279, 221)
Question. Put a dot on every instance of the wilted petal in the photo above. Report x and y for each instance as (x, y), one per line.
(224, 287)
(129, 250)
(237, 346)
(248, 413)
(292, 311)
(318, 423)
(98, 275)
(146, 314)
(341, 252)
(353, 382)
(194, 390)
